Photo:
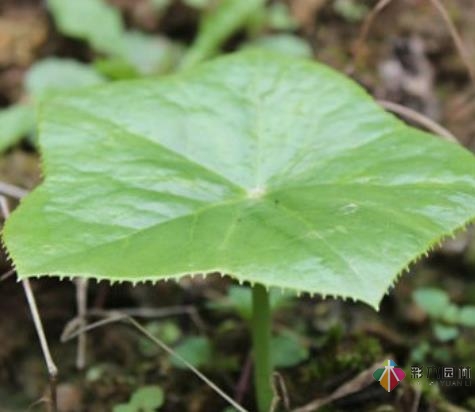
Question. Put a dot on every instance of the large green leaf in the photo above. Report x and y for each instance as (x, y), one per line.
(273, 170)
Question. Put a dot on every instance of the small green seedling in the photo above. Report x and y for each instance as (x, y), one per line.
(278, 172)
(145, 399)
(217, 25)
(197, 350)
(126, 53)
(446, 317)
(287, 349)
(167, 331)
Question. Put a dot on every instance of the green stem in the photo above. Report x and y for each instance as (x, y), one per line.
(261, 334)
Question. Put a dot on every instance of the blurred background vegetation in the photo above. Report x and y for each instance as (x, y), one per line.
(408, 57)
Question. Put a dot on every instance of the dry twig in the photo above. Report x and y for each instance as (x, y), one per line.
(382, 4)
(418, 118)
(7, 275)
(455, 37)
(50, 365)
(10, 190)
(243, 382)
(81, 301)
(118, 316)
(280, 393)
(355, 385)
(363, 34)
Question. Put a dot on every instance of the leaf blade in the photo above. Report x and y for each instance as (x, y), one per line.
(233, 167)
(91, 20)
(16, 122)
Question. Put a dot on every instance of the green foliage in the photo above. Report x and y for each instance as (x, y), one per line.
(43, 78)
(287, 351)
(286, 44)
(467, 316)
(115, 68)
(54, 74)
(279, 17)
(445, 333)
(161, 5)
(167, 331)
(145, 399)
(471, 403)
(276, 171)
(239, 299)
(420, 352)
(350, 10)
(195, 350)
(433, 301)
(198, 4)
(143, 55)
(131, 54)
(218, 25)
(150, 54)
(15, 122)
(90, 20)
(128, 53)
(445, 316)
(199, 351)
(451, 314)
(436, 303)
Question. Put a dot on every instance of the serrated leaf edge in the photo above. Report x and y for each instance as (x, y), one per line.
(434, 244)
